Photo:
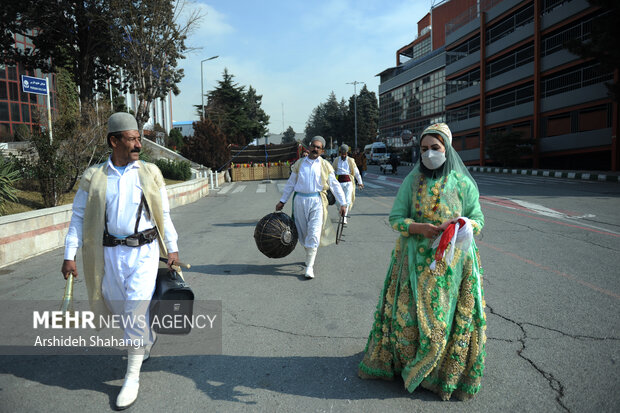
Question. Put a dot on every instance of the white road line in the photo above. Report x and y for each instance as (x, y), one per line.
(369, 185)
(394, 184)
(281, 187)
(261, 188)
(240, 188)
(227, 188)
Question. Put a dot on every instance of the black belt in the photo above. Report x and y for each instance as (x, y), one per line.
(134, 240)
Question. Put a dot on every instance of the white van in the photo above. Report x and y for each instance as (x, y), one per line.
(376, 153)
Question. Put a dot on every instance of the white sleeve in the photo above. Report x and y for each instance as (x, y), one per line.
(358, 177)
(334, 185)
(73, 240)
(289, 187)
(170, 233)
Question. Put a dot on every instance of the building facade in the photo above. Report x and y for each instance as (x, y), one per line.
(20, 108)
(505, 69)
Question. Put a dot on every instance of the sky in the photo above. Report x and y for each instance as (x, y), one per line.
(294, 53)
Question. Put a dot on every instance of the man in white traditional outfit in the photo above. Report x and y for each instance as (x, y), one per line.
(121, 218)
(310, 179)
(347, 173)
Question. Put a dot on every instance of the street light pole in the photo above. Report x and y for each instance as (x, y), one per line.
(202, 86)
(354, 83)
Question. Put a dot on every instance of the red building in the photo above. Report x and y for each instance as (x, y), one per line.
(17, 107)
(500, 65)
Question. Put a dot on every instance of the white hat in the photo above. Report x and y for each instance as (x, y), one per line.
(121, 121)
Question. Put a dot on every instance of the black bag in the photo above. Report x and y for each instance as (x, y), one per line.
(331, 199)
(172, 305)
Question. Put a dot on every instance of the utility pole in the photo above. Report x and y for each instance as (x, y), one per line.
(202, 91)
(354, 83)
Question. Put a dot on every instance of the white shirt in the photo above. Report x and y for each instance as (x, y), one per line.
(309, 181)
(343, 169)
(123, 195)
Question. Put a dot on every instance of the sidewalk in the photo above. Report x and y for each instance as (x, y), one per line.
(584, 175)
(609, 176)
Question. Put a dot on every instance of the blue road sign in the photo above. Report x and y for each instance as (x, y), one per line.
(34, 85)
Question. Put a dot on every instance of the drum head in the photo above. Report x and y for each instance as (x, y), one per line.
(276, 235)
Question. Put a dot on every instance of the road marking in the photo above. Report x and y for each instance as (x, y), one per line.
(534, 208)
(370, 185)
(238, 189)
(544, 267)
(226, 188)
(261, 188)
(281, 187)
(390, 184)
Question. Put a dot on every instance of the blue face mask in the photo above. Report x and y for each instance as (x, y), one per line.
(433, 159)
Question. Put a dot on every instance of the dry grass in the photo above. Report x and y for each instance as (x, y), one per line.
(30, 200)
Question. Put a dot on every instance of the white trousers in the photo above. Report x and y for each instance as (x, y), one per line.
(128, 285)
(308, 220)
(347, 188)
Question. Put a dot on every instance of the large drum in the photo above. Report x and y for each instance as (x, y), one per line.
(276, 235)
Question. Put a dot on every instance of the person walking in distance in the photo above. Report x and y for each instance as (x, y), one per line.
(310, 179)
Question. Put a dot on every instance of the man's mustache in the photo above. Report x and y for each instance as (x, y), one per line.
(137, 150)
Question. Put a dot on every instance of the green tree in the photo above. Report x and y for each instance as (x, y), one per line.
(237, 113)
(208, 146)
(367, 116)
(289, 135)
(77, 36)
(508, 148)
(259, 120)
(602, 43)
(329, 120)
(151, 40)
(175, 140)
(78, 141)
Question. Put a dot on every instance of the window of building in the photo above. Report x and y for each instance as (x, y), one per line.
(4, 111)
(509, 24)
(555, 41)
(573, 78)
(470, 46)
(558, 125)
(518, 57)
(466, 80)
(464, 112)
(509, 98)
(422, 48)
(594, 118)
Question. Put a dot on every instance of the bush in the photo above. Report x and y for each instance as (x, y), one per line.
(177, 170)
(8, 176)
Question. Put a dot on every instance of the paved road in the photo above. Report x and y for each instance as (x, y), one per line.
(549, 249)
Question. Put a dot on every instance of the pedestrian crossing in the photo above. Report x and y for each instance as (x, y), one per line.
(380, 182)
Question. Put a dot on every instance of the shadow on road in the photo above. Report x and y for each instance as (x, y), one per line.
(219, 377)
(294, 269)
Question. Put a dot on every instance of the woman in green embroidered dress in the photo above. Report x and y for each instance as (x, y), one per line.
(429, 325)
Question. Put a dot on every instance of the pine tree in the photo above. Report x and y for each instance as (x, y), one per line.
(208, 146)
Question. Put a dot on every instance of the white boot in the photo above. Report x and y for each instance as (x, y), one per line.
(310, 256)
(148, 347)
(344, 221)
(129, 391)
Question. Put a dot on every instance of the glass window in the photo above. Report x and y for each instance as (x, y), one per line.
(15, 112)
(25, 113)
(3, 93)
(4, 111)
(13, 91)
(12, 73)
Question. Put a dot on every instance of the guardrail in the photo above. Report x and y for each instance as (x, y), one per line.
(32, 233)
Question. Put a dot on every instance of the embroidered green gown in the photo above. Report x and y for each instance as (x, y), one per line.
(429, 325)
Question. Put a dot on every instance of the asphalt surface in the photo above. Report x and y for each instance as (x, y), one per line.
(549, 250)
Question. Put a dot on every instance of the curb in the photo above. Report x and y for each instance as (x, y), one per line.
(586, 176)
